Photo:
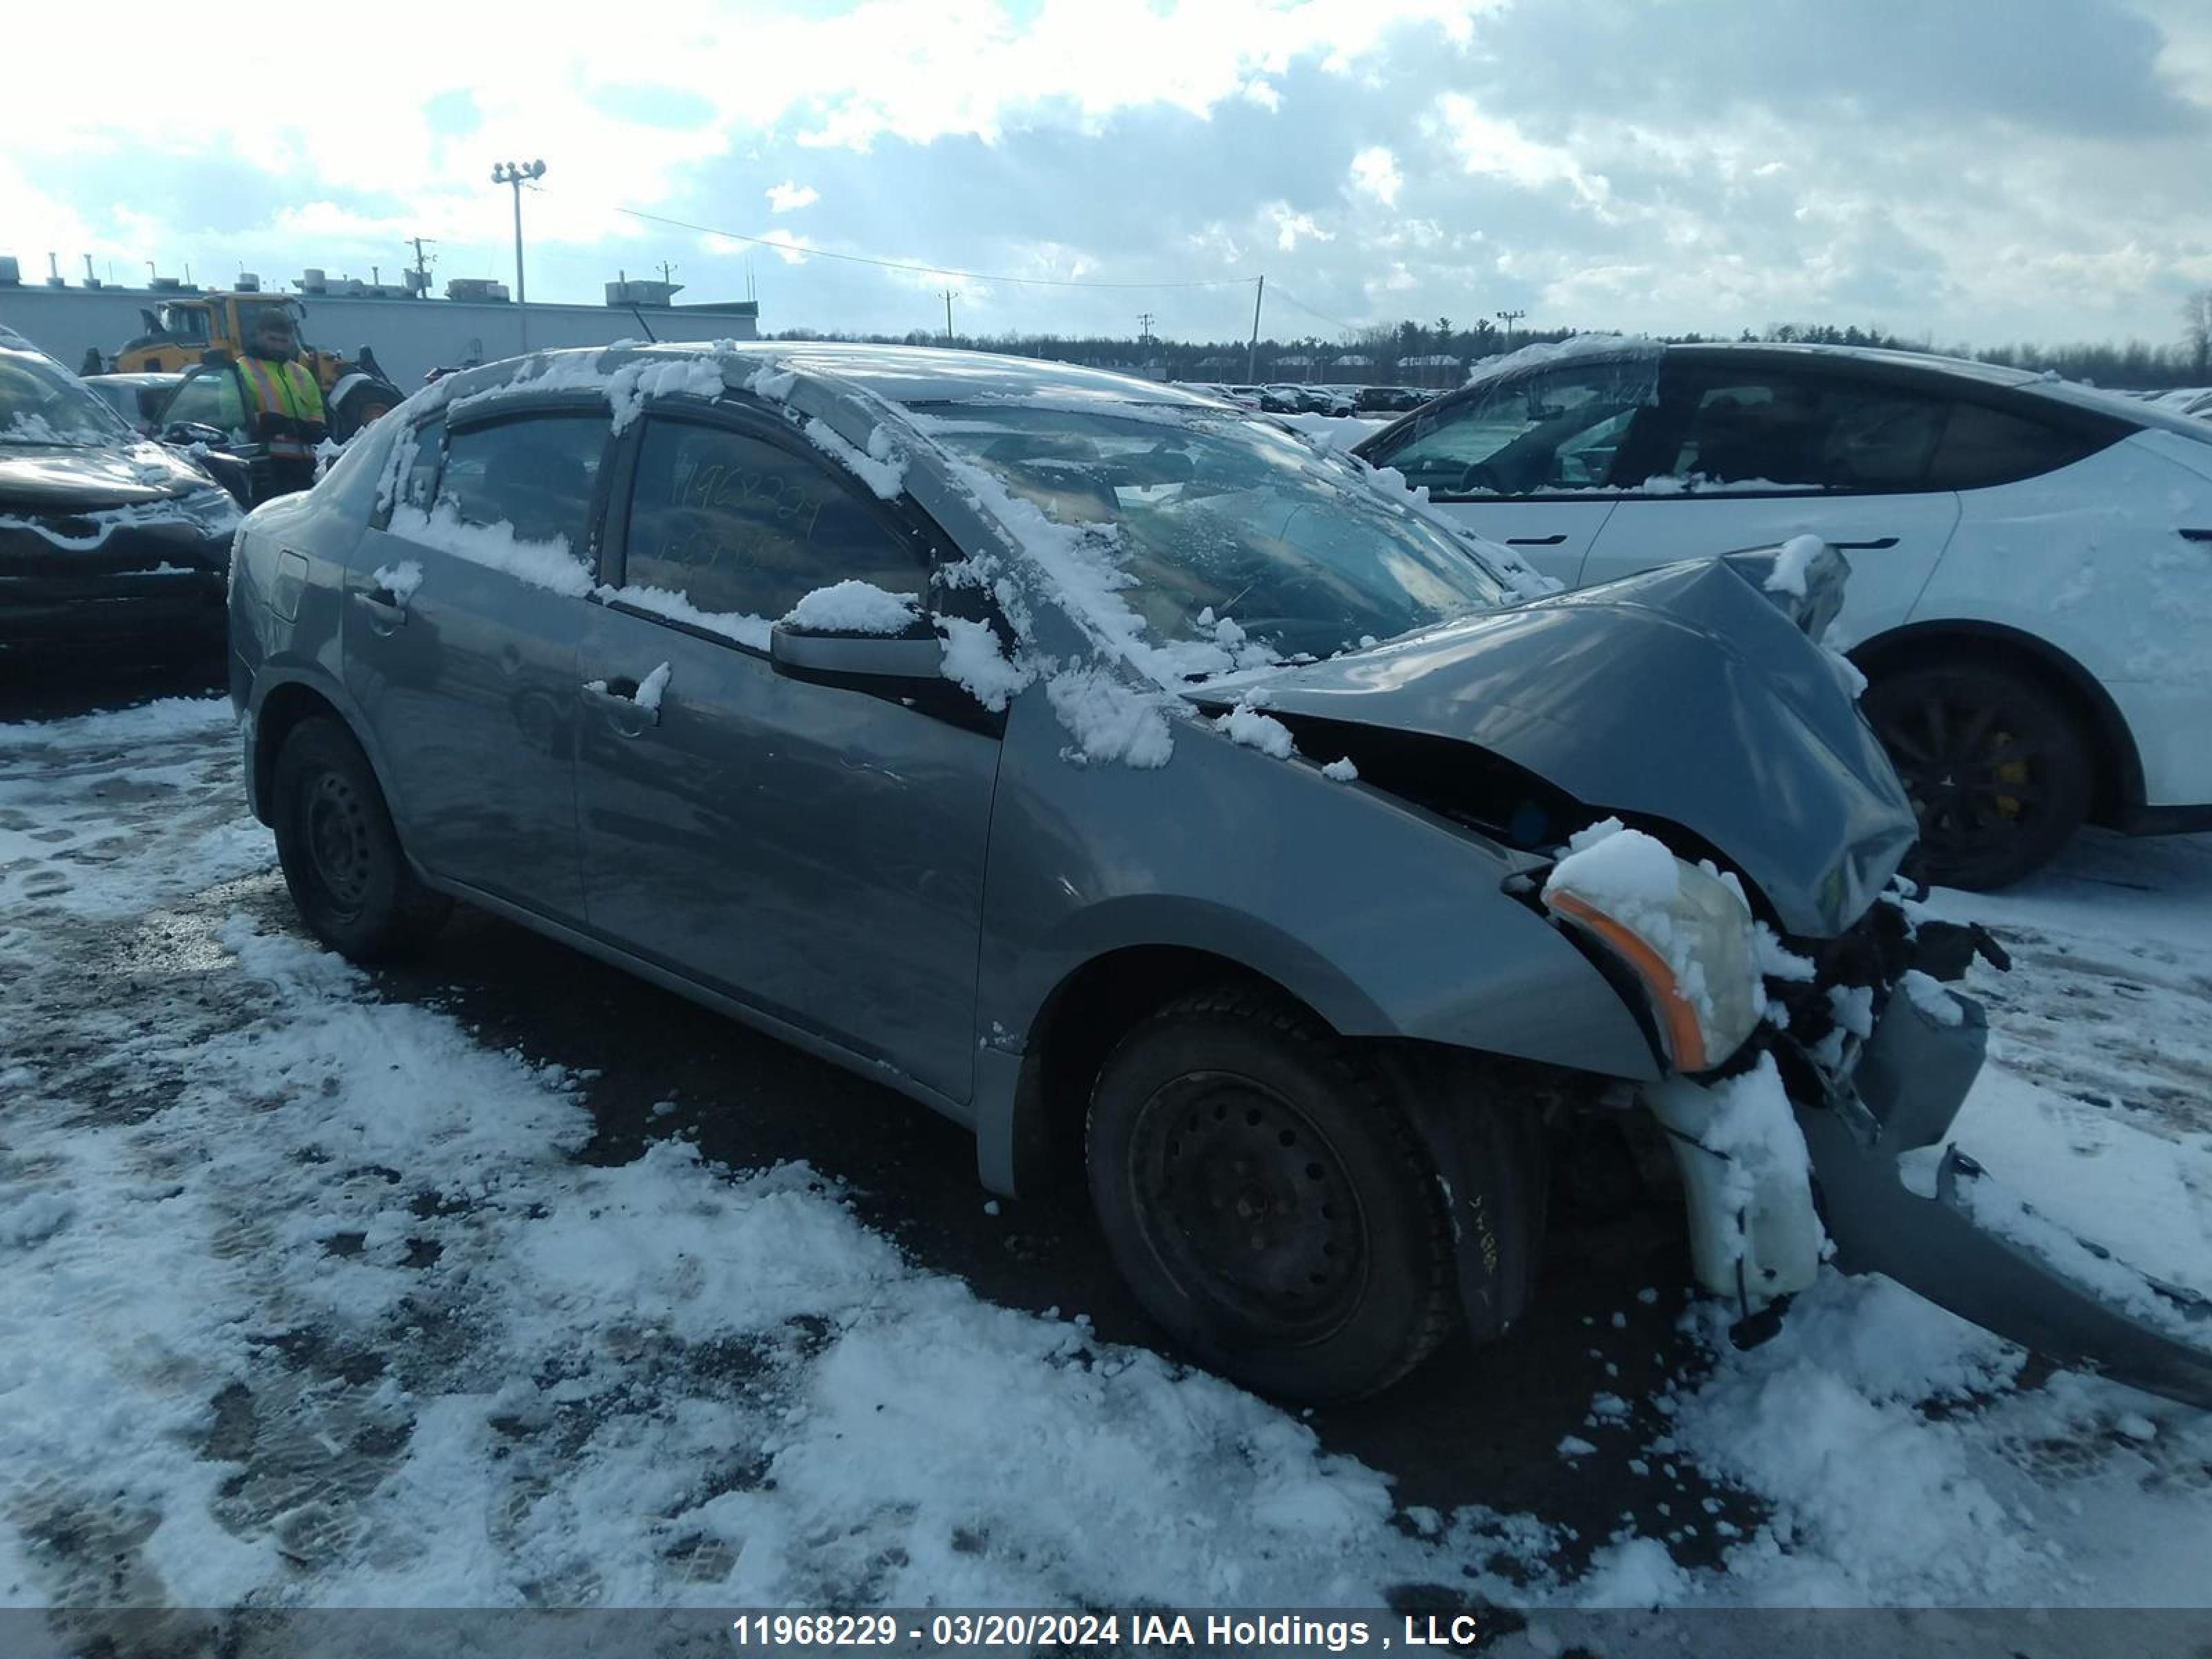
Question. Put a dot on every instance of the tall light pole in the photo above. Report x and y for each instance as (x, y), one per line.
(1509, 318)
(517, 174)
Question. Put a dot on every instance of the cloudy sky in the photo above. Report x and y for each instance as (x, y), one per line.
(1972, 170)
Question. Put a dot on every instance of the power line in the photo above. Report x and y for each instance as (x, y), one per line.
(927, 270)
(1297, 304)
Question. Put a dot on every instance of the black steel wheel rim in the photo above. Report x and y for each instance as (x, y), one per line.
(339, 848)
(1977, 780)
(1249, 1208)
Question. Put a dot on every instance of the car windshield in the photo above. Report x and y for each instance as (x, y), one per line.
(41, 405)
(1219, 518)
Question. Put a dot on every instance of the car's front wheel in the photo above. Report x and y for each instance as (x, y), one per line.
(1996, 763)
(1266, 1199)
(340, 857)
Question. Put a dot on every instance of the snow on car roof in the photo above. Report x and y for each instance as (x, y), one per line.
(895, 374)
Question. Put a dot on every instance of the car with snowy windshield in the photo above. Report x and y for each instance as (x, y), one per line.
(2030, 558)
(105, 538)
(1184, 808)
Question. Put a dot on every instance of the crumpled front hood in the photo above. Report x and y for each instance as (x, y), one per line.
(59, 477)
(1681, 694)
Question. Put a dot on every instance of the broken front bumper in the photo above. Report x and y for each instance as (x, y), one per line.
(1963, 1243)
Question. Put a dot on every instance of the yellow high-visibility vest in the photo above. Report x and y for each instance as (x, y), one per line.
(279, 388)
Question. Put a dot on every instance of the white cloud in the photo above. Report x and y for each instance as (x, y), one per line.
(787, 198)
(1292, 227)
(1375, 173)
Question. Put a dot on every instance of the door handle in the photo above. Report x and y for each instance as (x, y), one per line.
(1535, 541)
(383, 614)
(1857, 547)
(618, 700)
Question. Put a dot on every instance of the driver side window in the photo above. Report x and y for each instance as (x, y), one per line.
(1535, 434)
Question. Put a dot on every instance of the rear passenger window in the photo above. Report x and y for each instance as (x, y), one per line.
(742, 527)
(1796, 431)
(536, 475)
(1982, 446)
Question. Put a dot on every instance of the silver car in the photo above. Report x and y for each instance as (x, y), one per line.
(1181, 806)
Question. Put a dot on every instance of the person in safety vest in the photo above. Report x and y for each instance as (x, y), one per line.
(283, 404)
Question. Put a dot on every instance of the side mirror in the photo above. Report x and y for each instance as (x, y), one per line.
(857, 662)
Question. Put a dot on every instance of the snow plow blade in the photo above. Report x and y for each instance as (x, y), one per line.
(2030, 1282)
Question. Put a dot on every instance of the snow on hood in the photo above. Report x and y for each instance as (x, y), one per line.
(73, 477)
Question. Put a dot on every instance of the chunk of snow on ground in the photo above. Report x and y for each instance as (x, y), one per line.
(1109, 720)
(400, 580)
(547, 564)
(855, 607)
(1794, 559)
(1574, 1445)
(976, 661)
(1341, 769)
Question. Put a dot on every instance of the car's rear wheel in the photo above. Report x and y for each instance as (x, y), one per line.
(1264, 1194)
(341, 856)
(1996, 765)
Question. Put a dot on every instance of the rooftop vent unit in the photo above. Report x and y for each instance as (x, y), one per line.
(248, 282)
(310, 281)
(417, 281)
(641, 293)
(158, 284)
(11, 274)
(476, 288)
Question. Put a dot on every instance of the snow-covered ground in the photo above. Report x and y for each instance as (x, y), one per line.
(305, 1299)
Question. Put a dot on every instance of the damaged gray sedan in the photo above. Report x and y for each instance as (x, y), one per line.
(1183, 809)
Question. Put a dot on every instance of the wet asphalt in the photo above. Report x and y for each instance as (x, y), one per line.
(1472, 1426)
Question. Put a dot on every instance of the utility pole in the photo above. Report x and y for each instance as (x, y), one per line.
(1252, 352)
(668, 273)
(1145, 331)
(949, 296)
(421, 265)
(516, 175)
(1509, 318)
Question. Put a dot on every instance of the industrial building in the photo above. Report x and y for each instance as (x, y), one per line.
(409, 330)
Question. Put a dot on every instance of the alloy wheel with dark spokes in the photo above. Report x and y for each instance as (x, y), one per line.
(1248, 1205)
(1996, 771)
(339, 846)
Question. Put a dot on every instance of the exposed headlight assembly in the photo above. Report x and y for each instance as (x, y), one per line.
(1684, 932)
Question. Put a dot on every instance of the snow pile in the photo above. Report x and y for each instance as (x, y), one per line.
(1109, 720)
(1245, 724)
(401, 580)
(1932, 998)
(855, 607)
(628, 386)
(649, 689)
(1340, 770)
(1791, 562)
(547, 564)
(976, 662)
(882, 468)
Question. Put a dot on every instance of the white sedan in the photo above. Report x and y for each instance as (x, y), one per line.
(2031, 590)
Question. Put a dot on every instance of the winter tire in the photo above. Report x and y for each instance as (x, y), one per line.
(1997, 766)
(1267, 1200)
(340, 857)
